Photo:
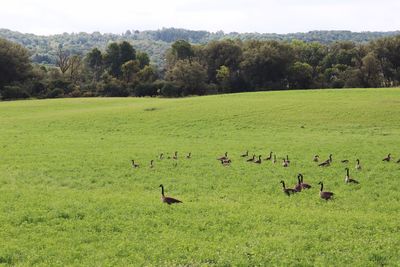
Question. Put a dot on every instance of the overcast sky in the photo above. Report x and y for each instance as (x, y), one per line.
(279, 16)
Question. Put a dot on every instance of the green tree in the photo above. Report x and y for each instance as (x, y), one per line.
(300, 75)
(14, 63)
(371, 70)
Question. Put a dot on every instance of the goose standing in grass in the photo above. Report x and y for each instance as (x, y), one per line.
(287, 191)
(347, 178)
(224, 157)
(388, 158)
(259, 160)
(161, 156)
(323, 194)
(327, 162)
(358, 165)
(189, 155)
(285, 163)
(245, 154)
(168, 200)
(316, 158)
(134, 165)
(175, 157)
(151, 164)
(303, 185)
(252, 159)
(269, 157)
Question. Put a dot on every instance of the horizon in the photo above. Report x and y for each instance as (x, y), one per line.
(46, 17)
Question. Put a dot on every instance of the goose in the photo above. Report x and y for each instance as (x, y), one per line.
(134, 165)
(316, 158)
(168, 200)
(347, 178)
(259, 160)
(285, 163)
(330, 158)
(269, 157)
(245, 154)
(358, 165)
(323, 194)
(189, 155)
(287, 191)
(388, 158)
(223, 157)
(345, 161)
(161, 156)
(252, 159)
(298, 186)
(175, 155)
(303, 185)
(326, 163)
(151, 164)
(274, 161)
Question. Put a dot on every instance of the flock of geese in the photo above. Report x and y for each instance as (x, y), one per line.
(301, 185)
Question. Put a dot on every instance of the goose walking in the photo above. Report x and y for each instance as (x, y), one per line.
(245, 154)
(225, 157)
(259, 160)
(168, 200)
(388, 158)
(269, 157)
(324, 194)
(252, 159)
(347, 178)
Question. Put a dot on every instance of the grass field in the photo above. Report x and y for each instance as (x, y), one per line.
(69, 196)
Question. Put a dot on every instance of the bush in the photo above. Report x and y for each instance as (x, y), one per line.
(114, 88)
(170, 90)
(55, 93)
(146, 89)
(14, 92)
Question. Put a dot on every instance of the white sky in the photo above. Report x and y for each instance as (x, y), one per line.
(279, 16)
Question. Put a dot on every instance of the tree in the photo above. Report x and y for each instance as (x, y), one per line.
(129, 70)
(94, 60)
(300, 75)
(188, 75)
(118, 54)
(63, 60)
(14, 63)
(223, 77)
(143, 59)
(371, 70)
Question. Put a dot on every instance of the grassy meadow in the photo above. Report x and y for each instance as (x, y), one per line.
(69, 196)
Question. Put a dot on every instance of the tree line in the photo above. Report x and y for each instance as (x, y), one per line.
(222, 66)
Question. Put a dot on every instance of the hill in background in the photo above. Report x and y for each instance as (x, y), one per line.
(156, 42)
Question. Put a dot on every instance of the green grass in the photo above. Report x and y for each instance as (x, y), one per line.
(68, 194)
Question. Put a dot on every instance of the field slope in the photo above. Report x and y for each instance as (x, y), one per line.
(69, 196)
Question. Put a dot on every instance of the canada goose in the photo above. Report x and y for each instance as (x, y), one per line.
(287, 191)
(134, 165)
(223, 157)
(245, 154)
(285, 163)
(316, 158)
(287, 159)
(323, 194)
(303, 185)
(269, 157)
(298, 186)
(358, 165)
(330, 158)
(274, 161)
(189, 155)
(226, 162)
(388, 158)
(168, 200)
(175, 155)
(151, 164)
(345, 161)
(161, 155)
(252, 159)
(259, 160)
(347, 178)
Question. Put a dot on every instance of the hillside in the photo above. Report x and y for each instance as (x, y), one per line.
(155, 43)
(68, 193)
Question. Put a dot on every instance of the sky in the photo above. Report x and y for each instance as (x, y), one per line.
(270, 16)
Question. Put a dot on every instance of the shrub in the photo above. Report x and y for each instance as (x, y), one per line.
(170, 90)
(146, 89)
(14, 92)
(55, 93)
